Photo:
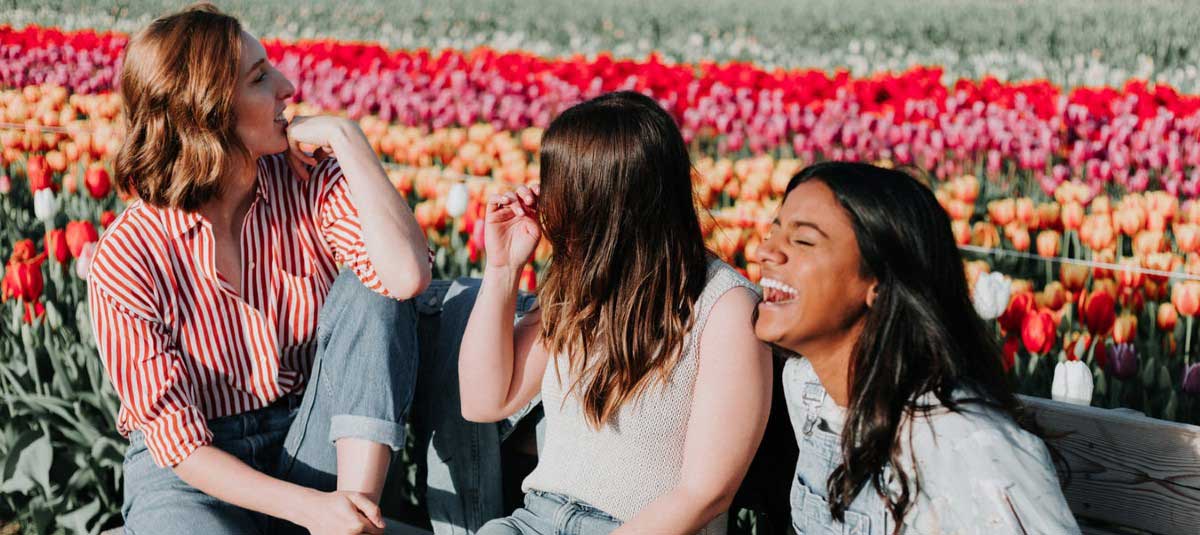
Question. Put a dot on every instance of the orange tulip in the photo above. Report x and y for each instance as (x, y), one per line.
(1156, 222)
(962, 231)
(1072, 216)
(1130, 220)
(1027, 213)
(1190, 212)
(1185, 295)
(1101, 204)
(1105, 256)
(1148, 242)
(1125, 328)
(1167, 317)
(1002, 211)
(1131, 277)
(966, 188)
(1073, 276)
(1018, 235)
(1052, 297)
(1048, 242)
(1107, 286)
(1048, 215)
(1187, 237)
(957, 209)
(1131, 300)
(1165, 205)
(974, 269)
(1165, 262)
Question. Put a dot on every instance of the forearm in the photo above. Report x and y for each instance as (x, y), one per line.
(395, 243)
(485, 364)
(226, 478)
(677, 511)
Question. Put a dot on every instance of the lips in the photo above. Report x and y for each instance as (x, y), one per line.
(777, 292)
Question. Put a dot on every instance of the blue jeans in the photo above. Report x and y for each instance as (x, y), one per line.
(361, 386)
(379, 362)
(548, 513)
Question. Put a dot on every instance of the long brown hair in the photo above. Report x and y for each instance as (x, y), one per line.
(178, 85)
(628, 259)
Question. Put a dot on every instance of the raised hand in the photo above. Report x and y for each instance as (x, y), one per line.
(316, 134)
(511, 228)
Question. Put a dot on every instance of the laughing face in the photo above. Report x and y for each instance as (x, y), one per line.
(814, 292)
(261, 97)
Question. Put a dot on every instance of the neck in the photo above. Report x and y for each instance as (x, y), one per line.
(237, 192)
(831, 359)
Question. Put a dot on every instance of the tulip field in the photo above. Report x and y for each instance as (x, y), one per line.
(1077, 205)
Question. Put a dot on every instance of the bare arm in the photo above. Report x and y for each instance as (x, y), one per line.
(395, 243)
(729, 414)
(500, 366)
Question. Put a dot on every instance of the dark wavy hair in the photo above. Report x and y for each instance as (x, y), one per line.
(629, 259)
(921, 335)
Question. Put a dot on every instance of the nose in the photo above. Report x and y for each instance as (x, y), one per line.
(769, 252)
(286, 90)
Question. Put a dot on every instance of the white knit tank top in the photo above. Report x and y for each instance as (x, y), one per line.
(630, 462)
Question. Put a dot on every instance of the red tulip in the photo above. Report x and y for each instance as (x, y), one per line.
(528, 279)
(1037, 332)
(1098, 311)
(38, 173)
(25, 251)
(107, 217)
(22, 280)
(97, 181)
(80, 233)
(34, 312)
(1019, 306)
(56, 245)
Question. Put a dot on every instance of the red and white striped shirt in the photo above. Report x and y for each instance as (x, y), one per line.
(180, 344)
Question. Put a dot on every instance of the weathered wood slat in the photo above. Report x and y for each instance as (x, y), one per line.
(1127, 469)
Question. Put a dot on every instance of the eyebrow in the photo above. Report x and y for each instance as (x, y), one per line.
(795, 224)
(255, 66)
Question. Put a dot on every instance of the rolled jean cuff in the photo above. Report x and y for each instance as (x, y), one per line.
(390, 434)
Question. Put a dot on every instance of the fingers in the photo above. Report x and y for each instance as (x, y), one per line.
(368, 508)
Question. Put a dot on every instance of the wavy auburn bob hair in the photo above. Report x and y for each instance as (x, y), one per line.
(628, 259)
(178, 85)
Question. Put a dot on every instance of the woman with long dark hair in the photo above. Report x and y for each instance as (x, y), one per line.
(654, 388)
(896, 392)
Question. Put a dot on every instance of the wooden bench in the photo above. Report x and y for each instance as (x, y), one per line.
(1129, 473)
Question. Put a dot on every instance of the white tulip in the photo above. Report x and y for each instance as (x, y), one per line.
(1072, 383)
(45, 205)
(456, 201)
(992, 291)
(84, 264)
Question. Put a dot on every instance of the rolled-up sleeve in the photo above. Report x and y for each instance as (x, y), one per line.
(338, 221)
(148, 375)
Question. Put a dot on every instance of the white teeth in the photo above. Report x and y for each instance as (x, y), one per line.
(773, 284)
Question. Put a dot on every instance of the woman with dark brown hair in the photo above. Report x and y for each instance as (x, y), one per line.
(654, 388)
(240, 405)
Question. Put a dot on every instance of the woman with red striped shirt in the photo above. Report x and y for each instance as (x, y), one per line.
(256, 383)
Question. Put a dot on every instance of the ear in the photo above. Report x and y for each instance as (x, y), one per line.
(872, 293)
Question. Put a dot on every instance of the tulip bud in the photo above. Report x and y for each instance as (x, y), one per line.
(1019, 236)
(80, 233)
(1185, 295)
(1191, 380)
(1073, 276)
(84, 264)
(1098, 311)
(1168, 317)
(97, 181)
(1072, 383)
(991, 295)
(45, 205)
(56, 245)
(528, 279)
(37, 171)
(1122, 361)
(1037, 331)
(107, 217)
(1125, 328)
(456, 200)
(1002, 212)
(1047, 243)
(1072, 216)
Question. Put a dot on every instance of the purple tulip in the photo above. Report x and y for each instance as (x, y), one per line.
(1122, 361)
(1191, 380)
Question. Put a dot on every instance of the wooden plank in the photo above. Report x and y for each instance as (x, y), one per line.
(1126, 469)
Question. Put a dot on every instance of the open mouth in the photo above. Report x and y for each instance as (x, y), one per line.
(776, 292)
(280, 119)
